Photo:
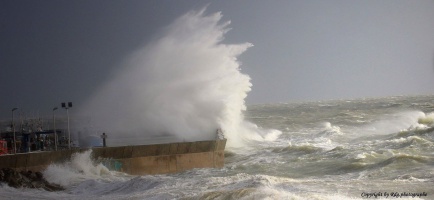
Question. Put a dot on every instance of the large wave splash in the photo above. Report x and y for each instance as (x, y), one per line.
(186, 84)
(79, 168)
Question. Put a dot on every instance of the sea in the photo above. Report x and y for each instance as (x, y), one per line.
(372, 148)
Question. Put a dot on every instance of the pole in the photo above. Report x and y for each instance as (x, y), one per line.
(13, 127)
(67, 106)
(54, 128)
(69, 133)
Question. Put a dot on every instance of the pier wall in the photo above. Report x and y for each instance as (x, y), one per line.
(135, 160)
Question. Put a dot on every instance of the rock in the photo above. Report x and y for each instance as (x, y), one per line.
(53, 187)
(37, 184)
(31, 175)
(39, 176)
(2, 175)
(27, 179)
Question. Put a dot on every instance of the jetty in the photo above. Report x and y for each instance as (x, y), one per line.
(134, 160)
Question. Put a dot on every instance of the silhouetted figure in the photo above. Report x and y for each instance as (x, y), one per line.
(103, 136)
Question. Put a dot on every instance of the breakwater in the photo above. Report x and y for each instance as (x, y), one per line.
(135, 160)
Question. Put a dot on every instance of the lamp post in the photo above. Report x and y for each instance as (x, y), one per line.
(67, 106)
(54, 128)
(13, 128)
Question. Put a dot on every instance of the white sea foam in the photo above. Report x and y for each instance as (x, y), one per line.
(331, 130)
(80, 168)
(392, 123)
(428, 119)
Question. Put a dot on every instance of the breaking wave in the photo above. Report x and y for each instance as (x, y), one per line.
(81, 167)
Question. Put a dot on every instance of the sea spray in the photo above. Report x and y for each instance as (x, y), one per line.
(79, 168)
(394, 122)
(427, 119)
(187, 84)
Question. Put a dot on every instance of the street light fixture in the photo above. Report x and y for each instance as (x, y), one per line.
(54, 127)
(67, 106)
(13, 128)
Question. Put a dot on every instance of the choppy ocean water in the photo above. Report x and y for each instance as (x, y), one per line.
(342, 149)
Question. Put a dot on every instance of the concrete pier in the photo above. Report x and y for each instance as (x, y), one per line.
(134, 160)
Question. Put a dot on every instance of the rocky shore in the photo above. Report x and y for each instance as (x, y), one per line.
(26, 179)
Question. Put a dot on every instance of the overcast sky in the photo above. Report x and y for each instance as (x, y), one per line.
(53, 51)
